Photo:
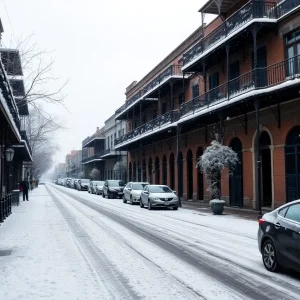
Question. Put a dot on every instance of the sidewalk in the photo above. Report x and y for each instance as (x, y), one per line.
(245, 213)
(39, 258)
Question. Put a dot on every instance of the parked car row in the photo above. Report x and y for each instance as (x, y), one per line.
(77, 184)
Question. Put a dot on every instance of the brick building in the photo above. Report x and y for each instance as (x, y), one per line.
(237, 75)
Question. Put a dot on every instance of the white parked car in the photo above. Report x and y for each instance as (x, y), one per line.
(158, 196)
(132, 191)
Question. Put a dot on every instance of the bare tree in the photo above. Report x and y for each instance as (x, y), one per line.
(41, 86)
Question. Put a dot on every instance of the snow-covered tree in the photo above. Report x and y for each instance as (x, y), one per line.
(81, 175)
(95, 174)
(120, 169)
(214, 160)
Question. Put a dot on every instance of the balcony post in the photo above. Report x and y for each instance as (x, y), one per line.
(257, 161)
(254, 34)
(204, 79)
(172, 96)
(183, 88)
(228, 70)
(178, 129)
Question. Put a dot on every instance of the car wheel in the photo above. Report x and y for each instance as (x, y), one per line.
(103, 195)
(149, 205)
(108, 195)
(141, 204)
(269, 256)
(175, 208)
(124, 199)
(131, 202)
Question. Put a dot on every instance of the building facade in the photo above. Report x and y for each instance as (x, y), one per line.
(236, 79)
(73, 164)
(60, 170)
(16, 157)
(115, 160)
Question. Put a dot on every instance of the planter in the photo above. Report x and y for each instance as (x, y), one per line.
(217, 206)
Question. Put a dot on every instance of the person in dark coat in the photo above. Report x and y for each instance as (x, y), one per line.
(25, 188)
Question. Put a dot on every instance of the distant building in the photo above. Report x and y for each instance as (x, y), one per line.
(60, 170)
(73, 164)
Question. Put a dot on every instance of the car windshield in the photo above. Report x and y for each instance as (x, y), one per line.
(116, 183)
(138, 186)
(159, 189)
(99, 182)
(84, 180)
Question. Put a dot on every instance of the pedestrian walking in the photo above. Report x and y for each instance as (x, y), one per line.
(25, 188)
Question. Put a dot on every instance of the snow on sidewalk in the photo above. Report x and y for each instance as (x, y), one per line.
(45, 262)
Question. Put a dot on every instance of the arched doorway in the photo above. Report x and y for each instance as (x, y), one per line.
(157, 179)
(150, 171)
(130, 171)
(164, 170)
(236, 177)
(292, 164)
(180, 173)
(139, 172)
(144, 170)
(134, 172)
(266, 169)
(190, 169)
(172, 171)
(200, 193)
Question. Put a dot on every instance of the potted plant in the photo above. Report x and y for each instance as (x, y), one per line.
(214, 160)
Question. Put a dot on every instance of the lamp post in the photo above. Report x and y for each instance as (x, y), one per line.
(9, 155)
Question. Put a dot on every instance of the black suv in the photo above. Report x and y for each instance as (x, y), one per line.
(113, 189)
(279, 237)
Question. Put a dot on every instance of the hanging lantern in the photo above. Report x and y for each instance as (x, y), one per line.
(9, 154)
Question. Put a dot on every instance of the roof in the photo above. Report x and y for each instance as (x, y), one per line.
(211, 7)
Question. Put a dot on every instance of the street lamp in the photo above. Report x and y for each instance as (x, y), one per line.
(9, 154)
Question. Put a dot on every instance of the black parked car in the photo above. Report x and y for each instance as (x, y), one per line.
(113, 189)
(279, 237)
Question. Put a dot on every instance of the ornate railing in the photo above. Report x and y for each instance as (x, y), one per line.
(286, 6)
(90, 138)
(256, 79)
(250, 11)
(157, 123)
(91, 158)
(170, 71)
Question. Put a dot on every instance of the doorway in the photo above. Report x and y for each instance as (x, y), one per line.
(172, 171)
(164, 170)
(190, 169)
(200, 192)
(292, 164)
(266, 169)
(236, 177)
(180, 173)
(130, 171)
(157, 177)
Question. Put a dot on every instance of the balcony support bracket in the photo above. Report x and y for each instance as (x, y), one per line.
(244, 123)
(277, 115)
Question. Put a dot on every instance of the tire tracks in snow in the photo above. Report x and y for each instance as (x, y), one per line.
(105, 272)
(241, 283)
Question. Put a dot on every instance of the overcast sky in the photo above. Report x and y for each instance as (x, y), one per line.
(102, 46)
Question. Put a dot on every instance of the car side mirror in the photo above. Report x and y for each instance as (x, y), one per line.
(174, 192)
(129, 189)
(146, 192)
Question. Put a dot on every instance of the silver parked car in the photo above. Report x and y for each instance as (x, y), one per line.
(132, 191)
(93, 185)
(99, 187)
(158, 196)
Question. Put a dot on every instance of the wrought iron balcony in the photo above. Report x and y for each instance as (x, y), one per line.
(258, 79)
(172, 70)
(251, 10)
(151, 126)
(25, 138)
(286, 6)
(91, 159)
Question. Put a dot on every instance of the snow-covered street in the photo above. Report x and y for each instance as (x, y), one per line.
(67, 244)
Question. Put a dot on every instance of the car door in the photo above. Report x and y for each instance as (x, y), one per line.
(126, 191)
(105, 188)
(288, 235)
(145, 195)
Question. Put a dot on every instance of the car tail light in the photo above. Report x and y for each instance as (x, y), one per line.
(260, 221)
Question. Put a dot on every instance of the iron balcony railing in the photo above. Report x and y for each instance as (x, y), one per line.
(157, 123)
(91, 158)
(251, 10)
(286, 6)
(259, 78)
(169, 72)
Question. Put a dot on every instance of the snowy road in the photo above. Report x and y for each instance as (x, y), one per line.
(126, 252)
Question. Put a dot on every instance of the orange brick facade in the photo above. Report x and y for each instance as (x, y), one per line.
(157, 161)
